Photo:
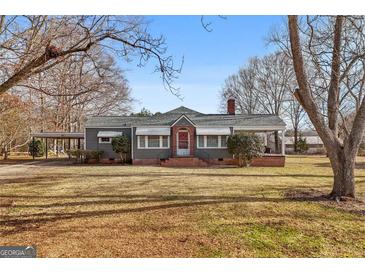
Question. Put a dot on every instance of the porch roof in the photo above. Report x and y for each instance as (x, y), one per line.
(213, 131)
(153, 131)
(108, 134)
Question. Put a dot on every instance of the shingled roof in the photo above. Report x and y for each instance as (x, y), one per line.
(199, 119)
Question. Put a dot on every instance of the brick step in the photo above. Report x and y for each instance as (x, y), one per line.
(184, 162)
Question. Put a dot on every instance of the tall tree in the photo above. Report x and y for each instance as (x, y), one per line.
(275, 81)
(263, 86)
(14, 123)
(329, 50)
(243, 88)
(33, 44)
(78, 87)
(295, 113)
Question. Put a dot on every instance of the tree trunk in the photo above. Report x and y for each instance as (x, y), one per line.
(343, 165)
(6, 155)
(295, 139)
(342, 155)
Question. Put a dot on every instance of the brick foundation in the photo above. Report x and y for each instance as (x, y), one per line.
(265, 161)
(108, 161)
(269, 161)
(146, 162)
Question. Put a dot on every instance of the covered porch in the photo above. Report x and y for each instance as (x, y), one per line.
(273, 138)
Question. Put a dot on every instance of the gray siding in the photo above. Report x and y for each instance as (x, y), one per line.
(93, 144)
(212, 153)
(163, 153)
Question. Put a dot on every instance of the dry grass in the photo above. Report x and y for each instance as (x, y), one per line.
(128, 211)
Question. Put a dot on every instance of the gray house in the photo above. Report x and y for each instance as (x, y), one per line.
(183, 137)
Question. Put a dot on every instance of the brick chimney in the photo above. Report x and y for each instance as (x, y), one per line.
(231, 106)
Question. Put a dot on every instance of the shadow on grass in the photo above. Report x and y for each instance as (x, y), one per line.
(358, 165)
(32, 221)
(163, 174)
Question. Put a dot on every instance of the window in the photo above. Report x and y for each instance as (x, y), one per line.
(201, 141)
(142, 141)
(165, 141)
(105, 140)
(153, 141)
(212, 141)
(224, 141)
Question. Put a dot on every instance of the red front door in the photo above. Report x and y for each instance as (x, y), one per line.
(183, 143)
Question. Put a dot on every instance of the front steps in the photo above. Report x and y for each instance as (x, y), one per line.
(184, 162)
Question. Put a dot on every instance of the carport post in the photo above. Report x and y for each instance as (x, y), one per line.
(69, 148)
(46, 148)
(33, 147)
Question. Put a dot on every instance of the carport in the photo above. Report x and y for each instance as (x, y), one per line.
(57, 136)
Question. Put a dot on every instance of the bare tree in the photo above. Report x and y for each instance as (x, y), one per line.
(296, 115)
(14, 122)
(242, 87)
(79, 86)
(275, 81)
(327, 52)
(30, 45)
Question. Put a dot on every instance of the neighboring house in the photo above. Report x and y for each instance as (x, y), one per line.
(182, 136)
(314, 142)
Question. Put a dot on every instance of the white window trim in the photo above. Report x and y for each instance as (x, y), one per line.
(102, 142)
(205, 142)
(146, 142)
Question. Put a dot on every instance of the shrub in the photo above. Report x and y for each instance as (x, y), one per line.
(302, 145)
(82, 155)
(95, 154)
(245, 147)
(121, 145)
(37, 148)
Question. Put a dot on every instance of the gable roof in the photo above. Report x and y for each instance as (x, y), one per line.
(183, 116)
(182, 110)
(197, 118)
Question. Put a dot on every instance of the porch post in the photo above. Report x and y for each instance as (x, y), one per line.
(69, 148)
(283, 142)
(33, 148)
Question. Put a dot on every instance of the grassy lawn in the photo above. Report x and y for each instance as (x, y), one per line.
(129, 211)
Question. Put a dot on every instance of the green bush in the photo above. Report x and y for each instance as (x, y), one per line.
(121, 145)
(95, 154)
(245, 147)
(36, 148)
(302, 145)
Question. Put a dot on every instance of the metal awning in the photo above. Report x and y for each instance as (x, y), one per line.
(109, 134)
(153, 131)
(213, 131)
(59, 135)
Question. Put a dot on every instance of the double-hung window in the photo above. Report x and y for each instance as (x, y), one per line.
(153, 141)
(212, 141)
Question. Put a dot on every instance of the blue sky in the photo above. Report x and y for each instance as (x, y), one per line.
(209, 58)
